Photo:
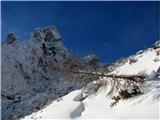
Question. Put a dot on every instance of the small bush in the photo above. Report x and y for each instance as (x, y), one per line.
(156, 60)
(124, 94)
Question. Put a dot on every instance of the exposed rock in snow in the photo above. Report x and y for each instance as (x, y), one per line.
(145, 63)
(113, 66)
(157, 44)
(37, 76)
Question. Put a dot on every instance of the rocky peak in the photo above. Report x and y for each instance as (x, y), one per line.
(46, 34)
(52, 33)
(48, 44)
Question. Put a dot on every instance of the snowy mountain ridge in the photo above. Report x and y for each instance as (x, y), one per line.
(108, 102)
(39, 74)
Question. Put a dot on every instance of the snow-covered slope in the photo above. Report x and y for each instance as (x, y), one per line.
(112, 98)
(147, 62)
(97, 106)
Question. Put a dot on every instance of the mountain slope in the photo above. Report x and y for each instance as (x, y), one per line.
(41, 75)
(95, 104)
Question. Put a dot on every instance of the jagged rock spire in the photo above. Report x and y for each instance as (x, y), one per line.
(52, 33)
(47, 34)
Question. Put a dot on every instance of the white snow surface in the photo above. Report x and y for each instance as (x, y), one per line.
(97, 105)
(145, 63)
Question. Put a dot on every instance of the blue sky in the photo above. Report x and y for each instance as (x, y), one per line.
(109, 29)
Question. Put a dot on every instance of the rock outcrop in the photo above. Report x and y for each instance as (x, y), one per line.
(30, 71)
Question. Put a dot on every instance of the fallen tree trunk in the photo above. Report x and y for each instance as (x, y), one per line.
(135, 78)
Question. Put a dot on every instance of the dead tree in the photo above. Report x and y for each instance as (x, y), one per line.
(135, 78)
